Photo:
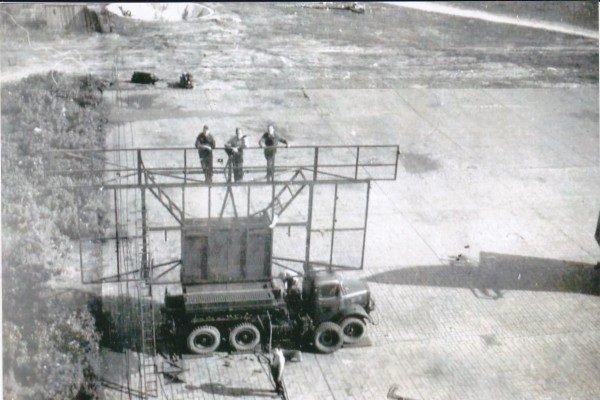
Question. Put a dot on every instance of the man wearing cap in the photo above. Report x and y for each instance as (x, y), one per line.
(269, 142)
(205, 143)
(235, 150)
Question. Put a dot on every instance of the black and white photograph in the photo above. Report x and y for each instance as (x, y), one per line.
(300, 200)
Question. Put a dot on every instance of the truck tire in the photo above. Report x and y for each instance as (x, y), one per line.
(204, 339)
(328, 337)
(353, 329)
(244, 337)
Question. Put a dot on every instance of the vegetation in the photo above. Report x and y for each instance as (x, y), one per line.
(50, 346)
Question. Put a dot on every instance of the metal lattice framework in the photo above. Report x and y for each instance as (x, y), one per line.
(318, 186)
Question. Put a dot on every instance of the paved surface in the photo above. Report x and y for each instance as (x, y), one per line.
(479, 255)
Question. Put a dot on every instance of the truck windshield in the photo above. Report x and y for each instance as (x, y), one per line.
(331, 290)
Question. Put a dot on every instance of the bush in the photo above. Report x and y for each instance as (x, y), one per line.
(50, 347)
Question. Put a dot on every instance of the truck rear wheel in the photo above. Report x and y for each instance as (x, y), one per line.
(353, 329)
(244, 337)
(328, 337)
(204, 339)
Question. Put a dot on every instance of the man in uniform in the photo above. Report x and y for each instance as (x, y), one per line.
(235, 150)
(205, 144)
(269, 142)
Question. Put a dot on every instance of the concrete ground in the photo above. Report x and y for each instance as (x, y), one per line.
(479, 255)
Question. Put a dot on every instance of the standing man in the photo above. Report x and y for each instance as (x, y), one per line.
(235, 150)
(205, 143)
(269, 142)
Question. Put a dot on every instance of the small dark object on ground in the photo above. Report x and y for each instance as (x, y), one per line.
(143, 77)
(186, 81)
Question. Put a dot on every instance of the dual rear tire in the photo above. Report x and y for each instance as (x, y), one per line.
(206, 338)
(329, 337)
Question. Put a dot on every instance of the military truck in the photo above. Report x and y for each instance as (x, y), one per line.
(228, 293)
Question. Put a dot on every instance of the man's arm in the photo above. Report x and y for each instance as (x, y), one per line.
(262, 140)
(211, 141)
(282, 140)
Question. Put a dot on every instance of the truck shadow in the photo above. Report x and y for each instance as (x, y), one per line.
(119, 323)
(497, 273)
(222, 390)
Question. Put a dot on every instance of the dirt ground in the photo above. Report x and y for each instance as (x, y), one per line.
(288, 46)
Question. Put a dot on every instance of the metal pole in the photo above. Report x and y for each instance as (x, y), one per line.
(273, 200)
(209, 201)
(310, 207)
(142, 184)
(184, 181)
(356, 165)
(396, 167)
(362, 257)
(248, 206)
(335, 199)
(144, 235)
(117, 237)
(139, 166)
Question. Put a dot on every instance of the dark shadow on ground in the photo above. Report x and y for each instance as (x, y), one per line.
(221, 390)
(496, 273)
(119, 322)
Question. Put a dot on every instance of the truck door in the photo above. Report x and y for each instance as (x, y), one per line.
(328, 301)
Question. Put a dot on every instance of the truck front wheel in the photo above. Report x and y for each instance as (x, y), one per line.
(353, 329)
(328, 337)
(204, 339)
(244, 337)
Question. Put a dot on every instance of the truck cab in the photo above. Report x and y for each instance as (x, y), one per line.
(331, 300)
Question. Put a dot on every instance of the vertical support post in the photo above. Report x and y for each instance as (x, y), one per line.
(397, 158)
(144, 235)
(139, 166)
(142, 184)
(334, 220)
(356, 164)
(310, 208)
(184, 166)
(184, 181)
(273, 200)
(248, 205)
(117, 237)
(362, 257)
(209, 196)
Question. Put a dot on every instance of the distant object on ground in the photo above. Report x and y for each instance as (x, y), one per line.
(144, 77)
(186, 81)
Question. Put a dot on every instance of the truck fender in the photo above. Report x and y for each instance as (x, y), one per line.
(353, 311)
